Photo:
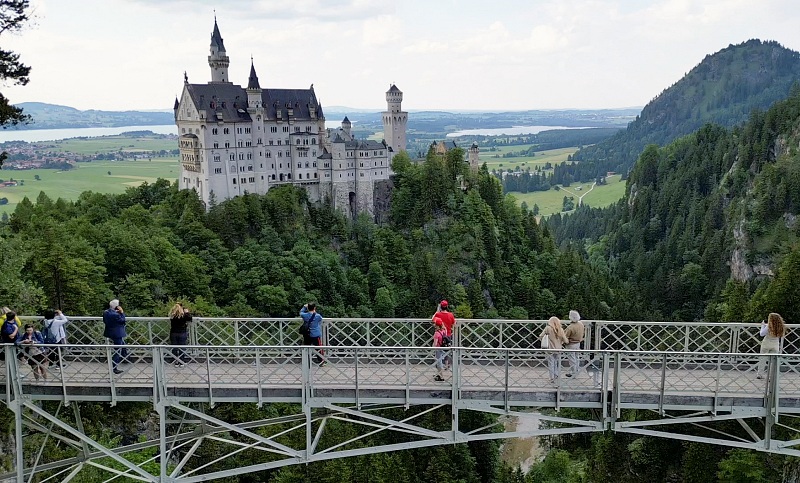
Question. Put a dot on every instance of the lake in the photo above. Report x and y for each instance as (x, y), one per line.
(35, 135)
(509, 131)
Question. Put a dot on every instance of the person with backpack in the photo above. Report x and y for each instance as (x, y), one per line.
(311, 330)
(440, 340)
(53, 332)
(448, 321)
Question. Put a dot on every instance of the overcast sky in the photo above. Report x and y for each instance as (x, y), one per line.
(443, 54)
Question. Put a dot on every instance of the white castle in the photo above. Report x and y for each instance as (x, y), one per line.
(236, 140)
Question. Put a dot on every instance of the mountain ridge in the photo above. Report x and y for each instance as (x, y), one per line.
(724, 88)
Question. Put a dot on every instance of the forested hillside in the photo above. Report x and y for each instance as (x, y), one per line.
(723, 89)
(452, 234)
(708, 227)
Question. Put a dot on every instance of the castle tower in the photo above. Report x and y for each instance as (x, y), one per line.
(253, 89)
(346, 126)
(218, 61)
(474, 156)
(394, 120)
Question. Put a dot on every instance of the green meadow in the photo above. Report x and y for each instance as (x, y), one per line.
(552, 156)
(108, 144)
(85, 177)
(551, 201)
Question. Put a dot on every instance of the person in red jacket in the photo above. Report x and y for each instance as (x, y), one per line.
(445, 318)
(443, 313)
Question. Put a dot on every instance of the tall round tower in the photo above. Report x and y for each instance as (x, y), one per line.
(218, 60)
(394, 120)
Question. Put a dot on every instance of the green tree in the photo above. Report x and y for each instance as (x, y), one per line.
(14, 14)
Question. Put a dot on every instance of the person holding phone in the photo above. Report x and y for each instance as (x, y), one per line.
(114, 320)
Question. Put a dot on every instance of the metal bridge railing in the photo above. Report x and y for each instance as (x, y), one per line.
(485, 333)
(647, 379)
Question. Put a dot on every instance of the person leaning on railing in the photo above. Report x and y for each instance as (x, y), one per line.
(772, 332)
(556, 340)
(114, 320)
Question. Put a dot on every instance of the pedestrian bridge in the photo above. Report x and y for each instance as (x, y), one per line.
(688, 381)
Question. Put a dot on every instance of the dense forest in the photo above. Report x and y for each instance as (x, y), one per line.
(723, 89)
(707, 229)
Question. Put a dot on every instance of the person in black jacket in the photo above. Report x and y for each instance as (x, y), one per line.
(179, 318)
(114, 320)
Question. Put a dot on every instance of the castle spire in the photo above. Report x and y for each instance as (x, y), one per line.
(252, 82)
(218, 60)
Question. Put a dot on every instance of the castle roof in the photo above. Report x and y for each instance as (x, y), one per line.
(252, 81)
(216, 38)
(230, 102)
(345, 120)
(394, 88)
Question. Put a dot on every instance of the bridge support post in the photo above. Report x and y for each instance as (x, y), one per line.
(16, 406)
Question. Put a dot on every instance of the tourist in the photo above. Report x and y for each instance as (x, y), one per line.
(54, 322)
(575, 333)
(439, 337)
(556, 340)
(9, 331)
(313, 336)
(114, 320)
(772, 332)
(37, 356)
(448, 321)
(179, 318)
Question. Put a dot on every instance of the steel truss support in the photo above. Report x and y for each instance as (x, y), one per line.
(670, 427)
(183, 430)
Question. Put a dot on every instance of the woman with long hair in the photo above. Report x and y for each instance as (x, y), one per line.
(556, 340)
(772, 331)
(179, 318)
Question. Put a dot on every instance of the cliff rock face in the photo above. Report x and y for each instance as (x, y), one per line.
(382, 200)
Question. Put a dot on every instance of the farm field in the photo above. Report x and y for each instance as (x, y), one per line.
(85, 177)
(551, 201)
(553, 156)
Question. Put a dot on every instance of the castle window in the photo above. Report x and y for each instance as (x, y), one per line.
(240, 144)
(315, 175)
(238, 130)
(232, 157)
(216, 145)
(217, 170)
(226, 131)
(298, 142)
(270, 142)
(279, 142)
(214, 131)
(300, 176)
(273, 177)
(241, 156)
(227, 144)
(299, 165)
(313, 141)
(247, 130)
(234, 180)
(362, 175)
(252, 179)
(249, 167)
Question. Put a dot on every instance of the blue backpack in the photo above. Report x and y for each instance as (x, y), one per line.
(48, 334)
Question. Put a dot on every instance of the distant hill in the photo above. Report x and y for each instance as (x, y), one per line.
(724, 88)
(52, 116)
